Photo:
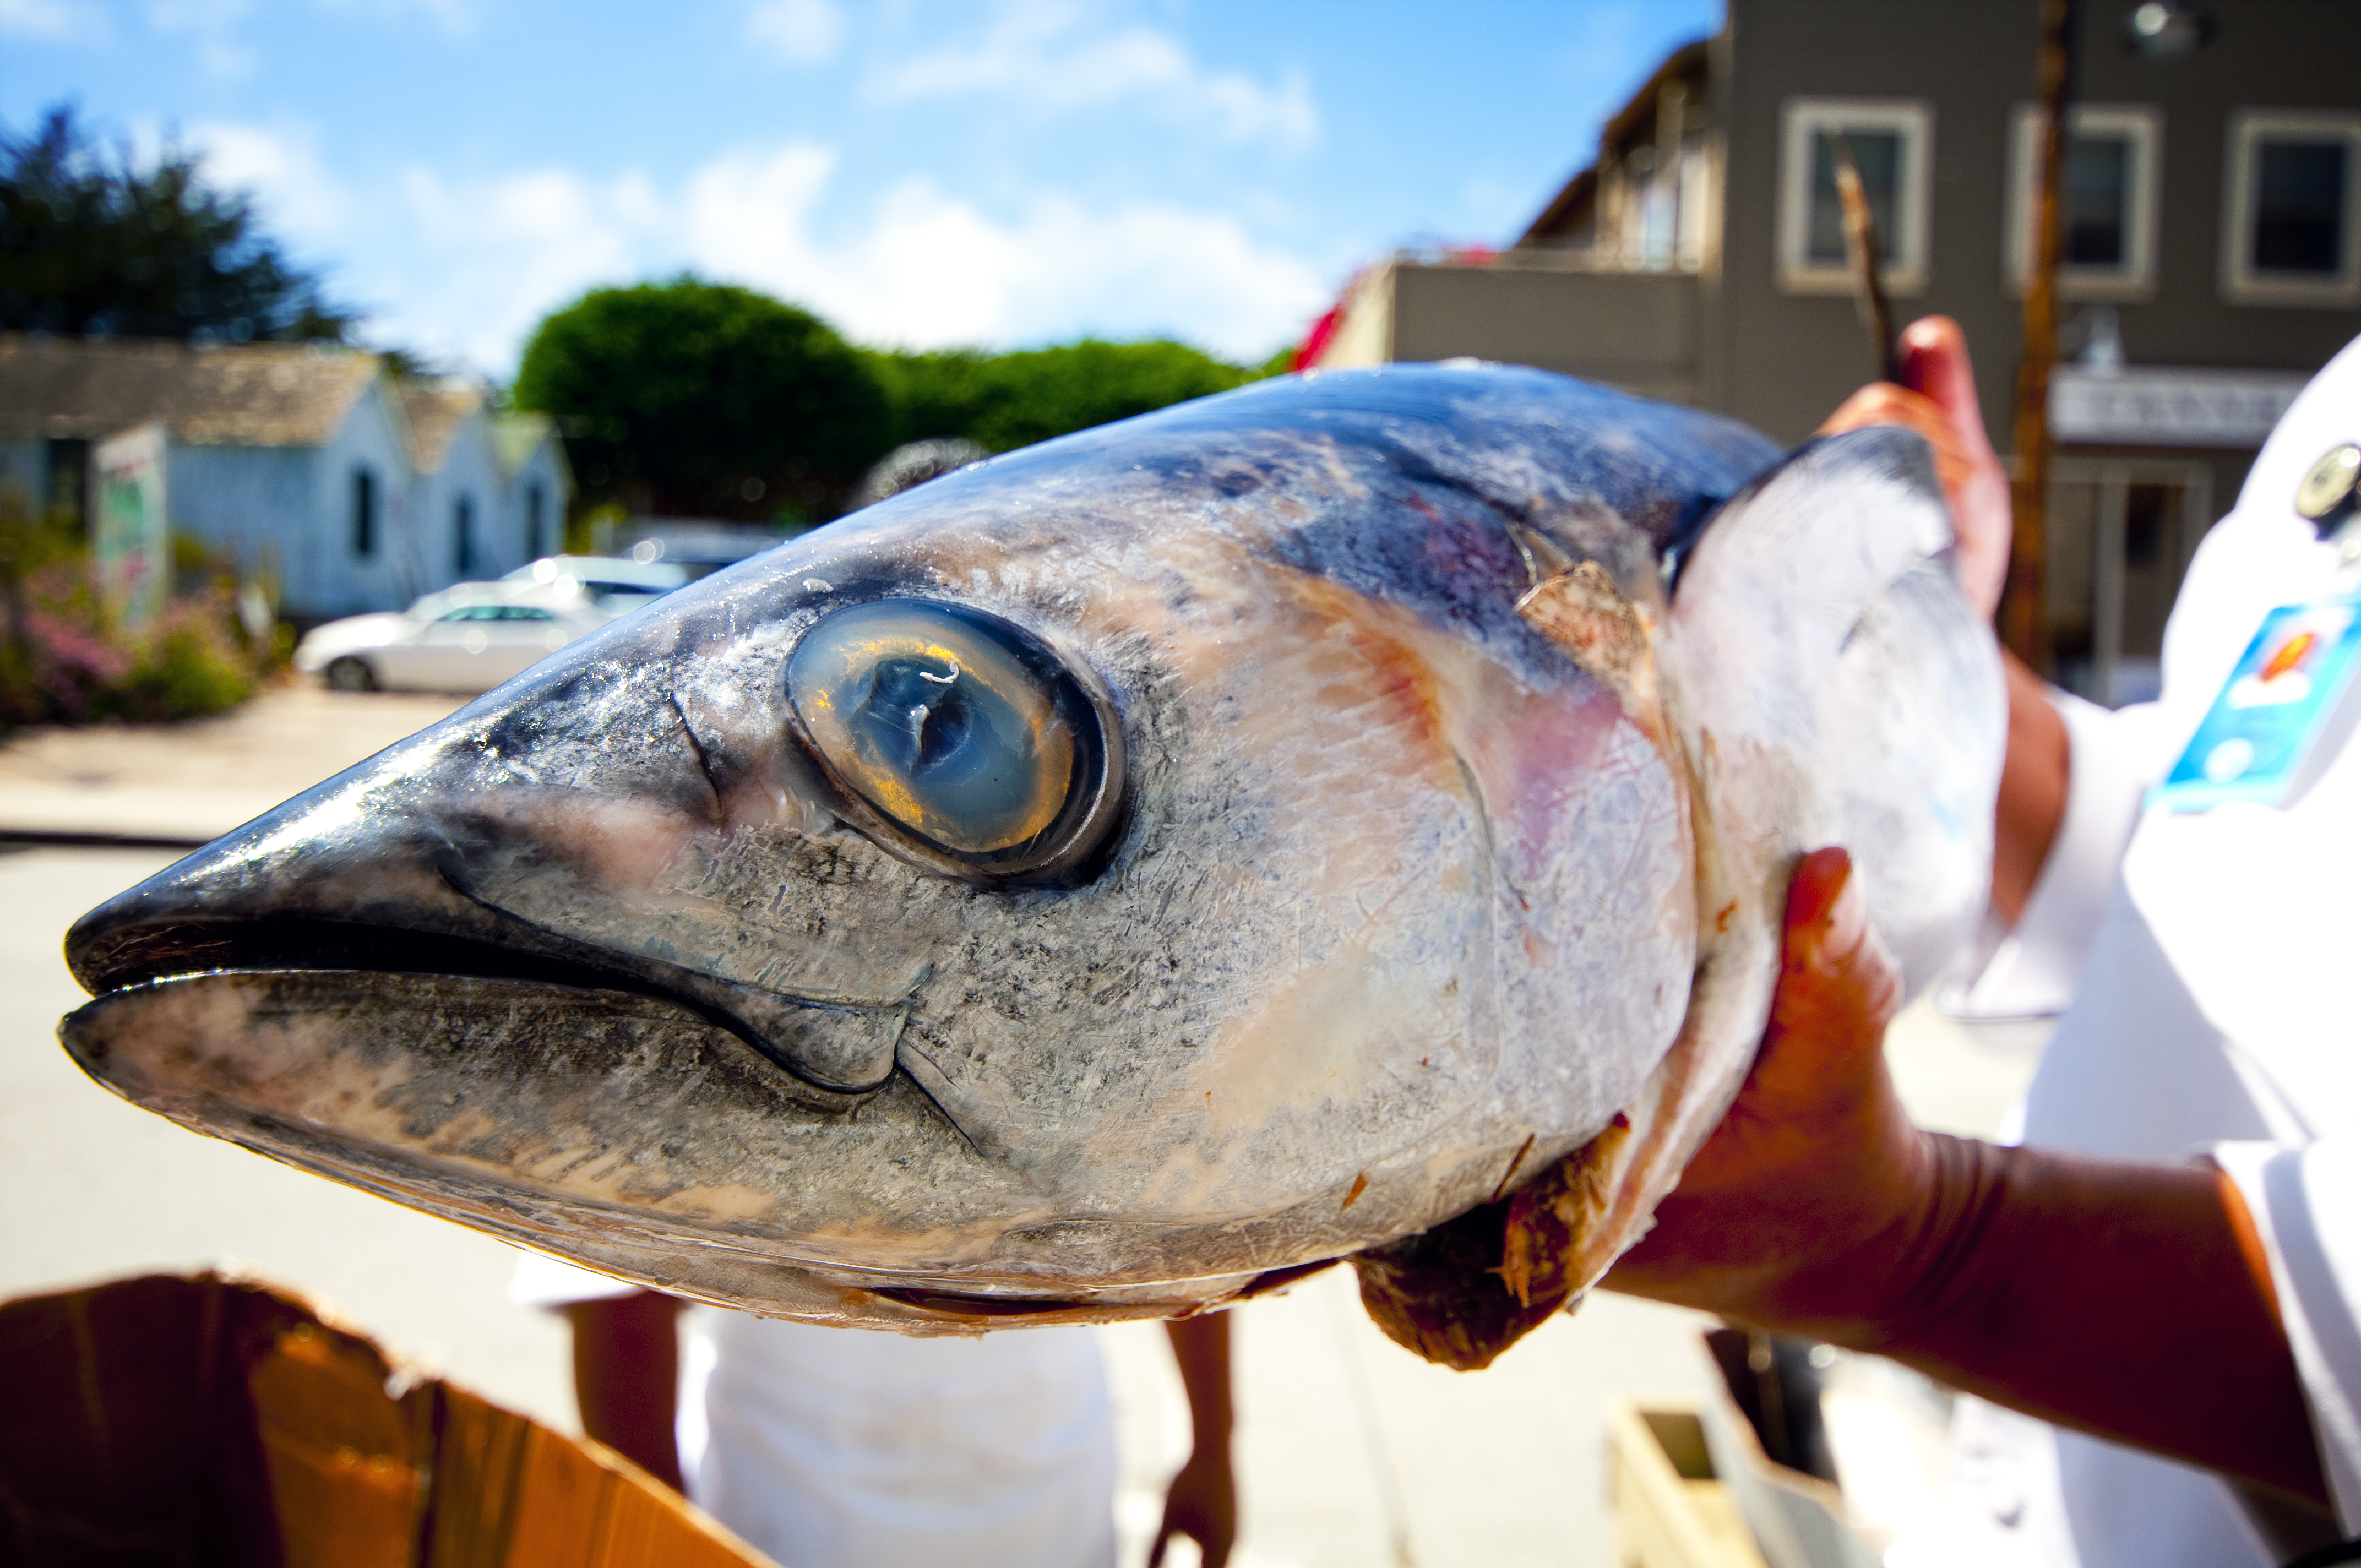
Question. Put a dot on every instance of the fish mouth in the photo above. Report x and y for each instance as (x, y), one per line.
(833, 1051)
(453, 1095)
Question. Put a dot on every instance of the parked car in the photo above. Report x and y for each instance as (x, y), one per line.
(469, 638)
(614, 583)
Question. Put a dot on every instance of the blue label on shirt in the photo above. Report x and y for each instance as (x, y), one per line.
(2270, 711)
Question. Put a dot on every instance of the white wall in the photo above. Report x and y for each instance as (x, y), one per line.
(253, 502)
(335, 579)
(545, 469)
(470, 469)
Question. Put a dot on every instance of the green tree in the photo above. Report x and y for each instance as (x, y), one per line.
(1007, 401)
(91, 245)
(700, 400)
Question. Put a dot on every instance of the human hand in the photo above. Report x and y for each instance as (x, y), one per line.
(1938, 401)
(1201, 1504)
(2082, 1291)
(1816, 1177)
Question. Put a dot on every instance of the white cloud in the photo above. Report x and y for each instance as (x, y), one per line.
(211, 23)
(465, 267)
(56, 21)
(930, 270)
(282, 169)
(1041, 56)
(453, 18)
(801, 32)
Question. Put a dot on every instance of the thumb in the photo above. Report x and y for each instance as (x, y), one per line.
(1837, 986)
(1933, 355)
(1825, 918)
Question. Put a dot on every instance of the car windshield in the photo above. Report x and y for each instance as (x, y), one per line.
(500, 612)
(622, 595)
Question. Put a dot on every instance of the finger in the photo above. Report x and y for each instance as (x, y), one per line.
(1838, 987)
(1825, 918)
(1933, 355)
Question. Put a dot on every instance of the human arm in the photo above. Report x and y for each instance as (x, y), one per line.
(1203, 1501)
(626, 1376)
(2134, 1301)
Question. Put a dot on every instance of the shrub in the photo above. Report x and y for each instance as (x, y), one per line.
(63, 662)
(1007, 401)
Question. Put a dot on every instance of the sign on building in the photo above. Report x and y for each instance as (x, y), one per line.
(2150, 405)
(131, 542)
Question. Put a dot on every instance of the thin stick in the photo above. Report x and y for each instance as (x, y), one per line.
(2023, 627)
(1862, 257)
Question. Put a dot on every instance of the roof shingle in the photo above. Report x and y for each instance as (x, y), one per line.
(255, 394)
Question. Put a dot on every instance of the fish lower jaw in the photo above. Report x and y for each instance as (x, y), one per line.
(831, 1051)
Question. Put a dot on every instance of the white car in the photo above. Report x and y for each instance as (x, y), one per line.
(615, 583)
(469, 638)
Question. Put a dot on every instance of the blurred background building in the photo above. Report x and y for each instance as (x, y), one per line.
(353, 487)
(2210, 256)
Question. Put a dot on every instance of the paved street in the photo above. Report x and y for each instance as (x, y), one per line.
(197, 781)
(1351, 1451)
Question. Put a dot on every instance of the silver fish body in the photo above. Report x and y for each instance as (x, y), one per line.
(1245, 835)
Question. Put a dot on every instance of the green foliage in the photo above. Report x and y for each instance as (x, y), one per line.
(93, 245)
(63, 660)
(1007, 401)
(700, 400)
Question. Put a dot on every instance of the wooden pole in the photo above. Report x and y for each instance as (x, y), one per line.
(2023, 627)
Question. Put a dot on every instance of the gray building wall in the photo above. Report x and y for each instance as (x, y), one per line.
(1634, 330)
(1780, 361)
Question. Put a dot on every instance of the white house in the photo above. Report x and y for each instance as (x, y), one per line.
(310, 465)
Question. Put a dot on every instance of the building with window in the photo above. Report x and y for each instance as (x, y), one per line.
(2210, 253)
(487, 487)
(314, 467)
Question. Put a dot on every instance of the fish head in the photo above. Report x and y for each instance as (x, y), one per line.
(1081, 885)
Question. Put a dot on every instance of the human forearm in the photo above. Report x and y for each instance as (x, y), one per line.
(1200, 1349)
(2127, 1300)
(626, 1378)
(2034, 783)
(1202, 1503)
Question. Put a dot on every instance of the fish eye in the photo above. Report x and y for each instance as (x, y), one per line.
(965, 732)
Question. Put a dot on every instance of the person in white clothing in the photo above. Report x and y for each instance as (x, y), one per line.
(2170, 1268)
(841, 1448)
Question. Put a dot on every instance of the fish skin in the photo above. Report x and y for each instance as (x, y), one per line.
(1404, 896)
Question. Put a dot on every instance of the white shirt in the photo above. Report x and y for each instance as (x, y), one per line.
(846, 1448)
(2216, 1009)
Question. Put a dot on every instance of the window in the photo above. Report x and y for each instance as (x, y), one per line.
(2289, 236)
(499, 612)
(463, 535)
(533, 504)
(2106, 201)
(1892, 145)
(363, 513)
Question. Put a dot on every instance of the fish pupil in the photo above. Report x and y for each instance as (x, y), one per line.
(919, 712)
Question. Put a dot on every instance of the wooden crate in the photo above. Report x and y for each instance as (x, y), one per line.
(1671, 1509)
(174, 1421)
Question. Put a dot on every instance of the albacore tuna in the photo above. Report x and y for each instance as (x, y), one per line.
(1346, 815)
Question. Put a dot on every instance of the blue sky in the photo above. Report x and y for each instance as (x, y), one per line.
(998, 172)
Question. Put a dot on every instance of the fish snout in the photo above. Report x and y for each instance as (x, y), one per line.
(480, 852)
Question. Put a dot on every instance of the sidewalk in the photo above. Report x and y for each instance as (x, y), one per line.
(189, 783)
